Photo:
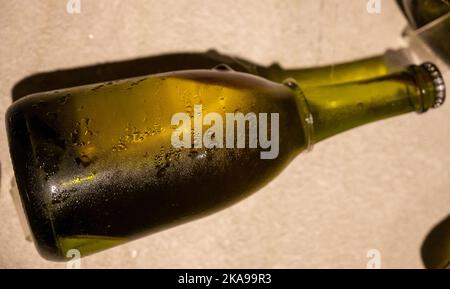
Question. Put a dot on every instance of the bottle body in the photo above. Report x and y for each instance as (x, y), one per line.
(100, 168)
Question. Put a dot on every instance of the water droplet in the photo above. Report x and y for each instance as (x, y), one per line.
(119, 147)
(97, 87)
(63, 100)
(202, 155)
(162, 170)
(291, 83)
(193, 153)
(309, 119)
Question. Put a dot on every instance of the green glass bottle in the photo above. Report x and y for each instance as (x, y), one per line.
(422, 12)
(370, 67)
(430, 23)
(103, 164)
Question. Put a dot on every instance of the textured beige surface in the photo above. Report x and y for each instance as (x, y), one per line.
(382, 186)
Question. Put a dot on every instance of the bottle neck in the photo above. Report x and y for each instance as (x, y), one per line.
(339, 107)
(371, 67)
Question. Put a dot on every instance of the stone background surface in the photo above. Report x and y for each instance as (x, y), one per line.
(382, 186)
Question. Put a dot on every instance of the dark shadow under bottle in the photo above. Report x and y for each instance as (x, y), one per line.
(104, 72)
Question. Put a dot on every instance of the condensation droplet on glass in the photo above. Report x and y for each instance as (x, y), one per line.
(291, 83)
(309, 119)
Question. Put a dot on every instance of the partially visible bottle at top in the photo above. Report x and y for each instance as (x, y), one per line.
(422, 12)
(365, 68)
(370, 67)
(430, 22)
(103, 164)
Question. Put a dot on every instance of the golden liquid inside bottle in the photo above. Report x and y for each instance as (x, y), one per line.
(108, 147)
